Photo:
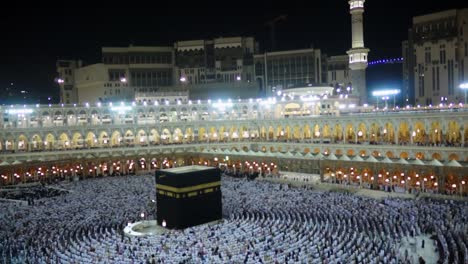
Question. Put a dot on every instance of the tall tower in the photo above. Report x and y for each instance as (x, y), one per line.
(358, 53)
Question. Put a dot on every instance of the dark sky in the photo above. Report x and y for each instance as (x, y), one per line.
(33, 38)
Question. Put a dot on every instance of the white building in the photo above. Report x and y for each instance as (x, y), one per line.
(123, 72)
(162, 97)
(436, 57)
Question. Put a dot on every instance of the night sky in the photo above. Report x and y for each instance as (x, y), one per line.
(33, 38)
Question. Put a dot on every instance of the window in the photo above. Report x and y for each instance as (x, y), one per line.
(427, 55)
(442, 57)
(433, 79)
(450, 77)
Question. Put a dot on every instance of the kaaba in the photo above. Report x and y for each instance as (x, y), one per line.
(188, 196)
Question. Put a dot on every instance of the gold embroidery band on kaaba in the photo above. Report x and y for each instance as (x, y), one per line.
(188, 189)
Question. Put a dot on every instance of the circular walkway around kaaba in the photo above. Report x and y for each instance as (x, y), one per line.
(262, 221)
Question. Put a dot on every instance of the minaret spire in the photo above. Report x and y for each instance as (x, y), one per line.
(358, 52)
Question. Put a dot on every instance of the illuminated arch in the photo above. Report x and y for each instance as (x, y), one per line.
(22, 143)
(244, 132)
(453, 134)
(116, 139)
(350, 135)
(188, 137)
(436, 156)
(64, 141)
(454, 156)
(435, 133)
(297, 132)
(419, 133)
(338, 132)
(292, 109)
(326, 132)
(388, 132)
(316, 131)
(49, 142)
(166, 136)
(404, 155)
(233, 133)
(222, 134)
(129, 138)
(141, 138)
(287, 132)
(178, 136)
(202, 134)
(420, 155)
(263, 132)
(91, 140)
(77, 140)
(307, 132)
(254, 132)
(36, 142)
(374, 133)
(103, 139)
(271, 132)
(362, 132)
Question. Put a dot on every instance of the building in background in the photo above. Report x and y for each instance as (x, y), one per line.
(281, 70)
(407, 91)
(338, 73)
(123, 72)
(137, 69)
(436, 58)
(66, 70)
(216, 68)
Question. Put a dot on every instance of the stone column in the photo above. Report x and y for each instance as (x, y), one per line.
(441, 178)
(375, 182)
(463, 137)
(111, 167)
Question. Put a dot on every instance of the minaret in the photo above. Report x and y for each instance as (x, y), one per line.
(358, 53)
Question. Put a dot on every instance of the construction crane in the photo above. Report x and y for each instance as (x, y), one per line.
(272, 25)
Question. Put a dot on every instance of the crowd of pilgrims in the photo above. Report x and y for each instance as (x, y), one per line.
(29, 192)
(263, 223)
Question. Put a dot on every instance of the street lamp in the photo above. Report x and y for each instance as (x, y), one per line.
(464, 86)
(385, 95)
